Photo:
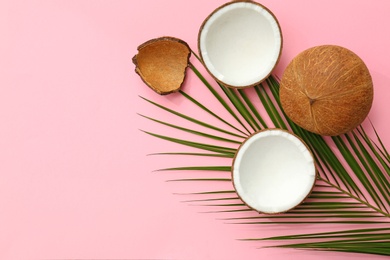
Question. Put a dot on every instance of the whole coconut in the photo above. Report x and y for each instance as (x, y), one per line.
(327, 90)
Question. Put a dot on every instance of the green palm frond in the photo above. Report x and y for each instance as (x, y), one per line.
(353, 186)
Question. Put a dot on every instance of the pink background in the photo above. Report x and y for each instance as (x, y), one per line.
(75, 178)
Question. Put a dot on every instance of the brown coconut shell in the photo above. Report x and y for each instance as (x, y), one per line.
(327, 90)
(162, 62)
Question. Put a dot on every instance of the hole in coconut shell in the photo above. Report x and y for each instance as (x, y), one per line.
(162, 62)
(273, 171)
(240, 43)
(327, 90)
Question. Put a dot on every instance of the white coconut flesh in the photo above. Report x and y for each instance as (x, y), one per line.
(273, 171)
(240, 43)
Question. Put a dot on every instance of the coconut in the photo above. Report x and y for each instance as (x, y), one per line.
(240, 43)
(327, 90)
(162, 62)
(273, 171)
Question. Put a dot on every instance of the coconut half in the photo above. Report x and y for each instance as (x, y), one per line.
(327, 90)
(273, 171)
(240, 43)
(162, 62)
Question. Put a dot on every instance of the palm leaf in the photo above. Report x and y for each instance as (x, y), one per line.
(218, 96)
(213, 148)
(197, 154)
(353, 181)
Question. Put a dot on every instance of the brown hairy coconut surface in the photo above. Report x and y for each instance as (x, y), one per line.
(162, 62)
(326, 90)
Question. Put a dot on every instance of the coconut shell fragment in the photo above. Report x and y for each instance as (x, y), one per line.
(327, 90)
(162, 62)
